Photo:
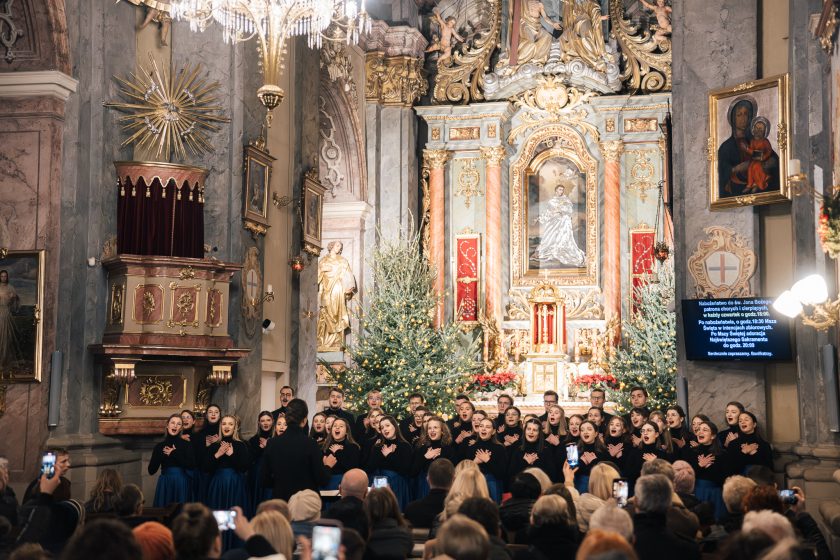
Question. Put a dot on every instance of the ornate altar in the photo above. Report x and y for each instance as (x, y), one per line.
(166, 343)
(549, 167)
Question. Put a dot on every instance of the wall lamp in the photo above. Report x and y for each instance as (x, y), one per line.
(809, 298)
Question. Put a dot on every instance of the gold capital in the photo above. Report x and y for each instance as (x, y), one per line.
(612, 150)
(435, 159)
(493, 154)
(394, 80)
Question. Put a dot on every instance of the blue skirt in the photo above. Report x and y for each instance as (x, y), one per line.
(256, 491)
(582, 483)
(708, 491)
(174, 486)
(227, 489)
(335, 480)
(420, 486)
(494, 486)
(398, 486)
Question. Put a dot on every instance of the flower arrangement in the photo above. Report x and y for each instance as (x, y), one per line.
(489, 382)
(596, 379)
(829, 224)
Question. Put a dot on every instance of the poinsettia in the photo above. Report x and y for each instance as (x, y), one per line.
(596, 379)
(487, 382)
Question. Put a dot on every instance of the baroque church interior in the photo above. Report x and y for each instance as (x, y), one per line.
(203, 202)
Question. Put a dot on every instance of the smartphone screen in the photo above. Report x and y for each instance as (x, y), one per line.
(48, 465)
(225, 518)
(621, 491)
(325, 542)
(380, 481)
(572, 455)
(788, 496)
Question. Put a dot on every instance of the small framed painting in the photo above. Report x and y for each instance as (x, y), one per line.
(258, 164)
(749, 143)
(21, 303)
(313, 206)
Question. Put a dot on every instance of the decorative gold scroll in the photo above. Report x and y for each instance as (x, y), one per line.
(647, 63)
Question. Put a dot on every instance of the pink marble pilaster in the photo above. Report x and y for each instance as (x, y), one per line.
(493, 228)
(436, 162)
(612, 229)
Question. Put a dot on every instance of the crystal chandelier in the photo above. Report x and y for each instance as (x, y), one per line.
(273, 22)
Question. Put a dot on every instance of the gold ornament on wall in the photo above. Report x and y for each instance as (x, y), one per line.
(469, 181)
(169, 113)
(394, 80)
(463, 80)
(641, 172)
(647, 56)
(156, 391)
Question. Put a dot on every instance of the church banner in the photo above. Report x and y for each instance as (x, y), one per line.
(467, 267)
(641, 258)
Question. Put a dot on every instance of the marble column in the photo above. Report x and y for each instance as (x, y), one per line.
(436, 162)
(611, 151)
(493, 237)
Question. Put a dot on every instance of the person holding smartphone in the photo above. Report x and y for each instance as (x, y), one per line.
(60, 459)
(341, 452)
(391, 457)
(590, 452)
(176, 458)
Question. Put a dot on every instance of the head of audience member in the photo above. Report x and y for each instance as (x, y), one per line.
(276, 530)
(195, 533)
(4, 473)
(601, 480)
(735, 489)
(336, 398)
(305, 505)
(103, 538)
(30, 551)
(108, 485)
(550, 398)
(354, 484)
(352, 544)
(659, 466)
(773, 524)
(296, 413)
(761, 497)
(441, 473)
(600, 544)
(525, 486)
(278, 505)
(483, 511)
(684, 478)
(380, 505)
(129, 501)
(461, 538)
(562, 490)
(761, 475)
(612, 518)
(638, 396)
(597, 397)
(653, 494)
(788, 549)
(469, 483)
(155, 541)
(286, 395)
(503, 402)
(549, 511)
(542, 478)
(742, 545)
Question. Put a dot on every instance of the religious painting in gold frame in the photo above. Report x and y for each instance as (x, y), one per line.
(312, 211)
(258, 163)
(748, 143)
(21, 305)
(554, 211)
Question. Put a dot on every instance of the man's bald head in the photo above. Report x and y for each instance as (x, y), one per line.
(354, 483)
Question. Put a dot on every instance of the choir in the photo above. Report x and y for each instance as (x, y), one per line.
(289, 453)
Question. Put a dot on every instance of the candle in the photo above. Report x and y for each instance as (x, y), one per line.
(795, 167)
(270, 289)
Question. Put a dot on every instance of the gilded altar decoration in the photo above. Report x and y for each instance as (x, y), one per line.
(827, 26)
(642, 172)
(748, 143)
(642, 241)
(641, 125)
(213, 315)
(465, 133)
(169, 112)
(462, 81)
(647, 57)
(548, 320)
(110, 404)
(469, 181)
(313, 208)
(21, 328)
(258, 164)
(115, 317)
(551, 101)
(534, 41)
(155, 391)
(183, 311)
(583, 35)
(203, 392)
(554, 210)
(494, 355)
(336, 287)
(394, 80)
(467, 277)
(722, 265)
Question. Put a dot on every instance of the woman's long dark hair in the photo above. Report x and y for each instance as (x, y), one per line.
(540, 436)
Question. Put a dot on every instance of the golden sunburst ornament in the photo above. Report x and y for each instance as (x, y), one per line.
(174, 113)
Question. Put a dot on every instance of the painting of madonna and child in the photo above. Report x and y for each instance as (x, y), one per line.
(557, 216)
(748, 126)
(21, 292)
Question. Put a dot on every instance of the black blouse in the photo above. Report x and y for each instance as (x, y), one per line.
(511, 431)
(348, 457)
(420, 464)
(497, 466)
(764, 455)
(240, 460)
(182, 456)
(600, 455)
(545, 460)
(635, 459)
(718, 471)
(399, 460)
(254, 445)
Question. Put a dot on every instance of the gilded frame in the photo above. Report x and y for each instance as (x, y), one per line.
(726, 98)
(312, 211)
(564, 142)
(258, 164)
(37, 259)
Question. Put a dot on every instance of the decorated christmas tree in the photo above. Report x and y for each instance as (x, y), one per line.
(647, 355)
(399, 351)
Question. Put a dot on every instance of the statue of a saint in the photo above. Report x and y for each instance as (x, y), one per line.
(584, 37)
(557, 242)
(336, 286)
(534, 39)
